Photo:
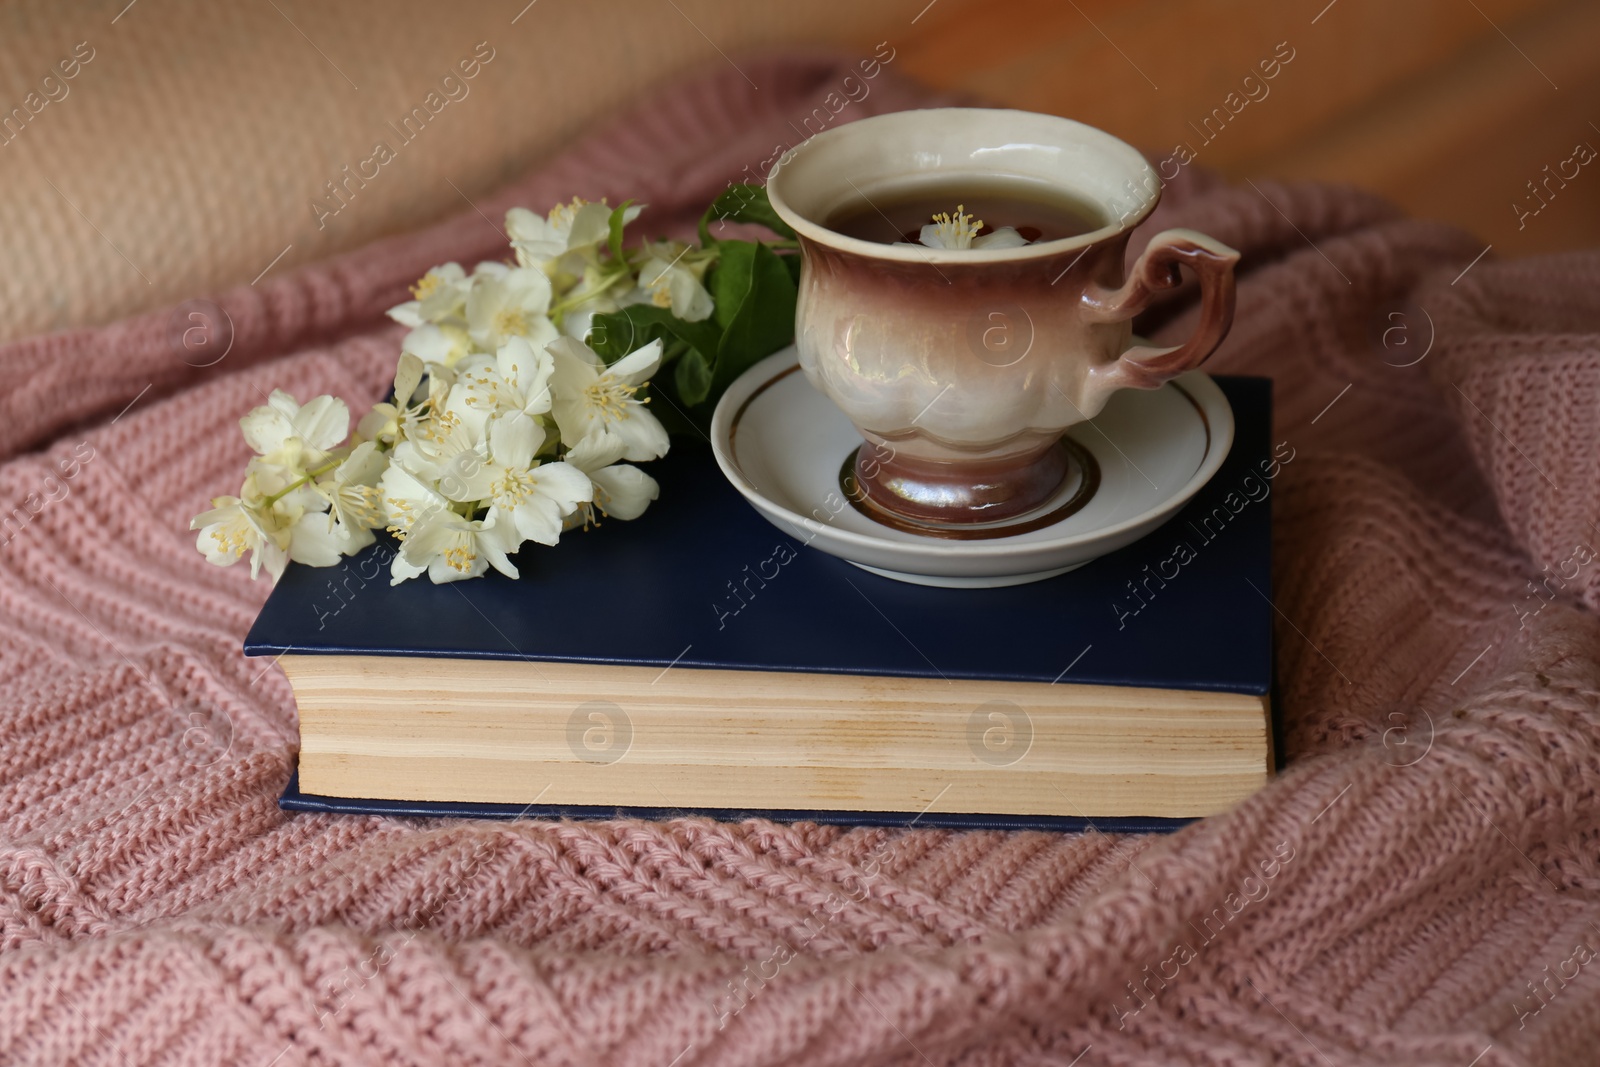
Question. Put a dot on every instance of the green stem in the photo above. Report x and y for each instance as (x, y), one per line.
(309, 476)
(575, 300)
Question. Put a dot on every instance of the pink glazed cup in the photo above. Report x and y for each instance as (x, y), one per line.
(962, 369)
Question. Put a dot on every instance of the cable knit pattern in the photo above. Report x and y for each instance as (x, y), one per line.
(1419, 886)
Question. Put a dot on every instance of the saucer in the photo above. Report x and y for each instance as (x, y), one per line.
(786, 448)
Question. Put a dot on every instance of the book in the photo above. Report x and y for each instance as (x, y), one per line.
(700, 660)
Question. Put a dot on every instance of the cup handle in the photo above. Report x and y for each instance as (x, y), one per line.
(1146, 367)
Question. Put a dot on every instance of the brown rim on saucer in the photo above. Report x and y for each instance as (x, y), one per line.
(1084, 459)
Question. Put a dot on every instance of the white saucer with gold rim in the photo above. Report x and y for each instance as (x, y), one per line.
(789, 451)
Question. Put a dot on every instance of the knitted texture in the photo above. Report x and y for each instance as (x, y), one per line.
(1420, 886)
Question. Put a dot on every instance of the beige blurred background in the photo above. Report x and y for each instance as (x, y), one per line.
(185, 154)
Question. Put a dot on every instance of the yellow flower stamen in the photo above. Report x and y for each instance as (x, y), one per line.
(511, 322)
(231, 540)
(460, 558)
(610, 398)
(426, 286)
(364, 503)
(486, 382)
(957, 230)
(515, 488)
(404, 519)
(439, 427)
(563, 214)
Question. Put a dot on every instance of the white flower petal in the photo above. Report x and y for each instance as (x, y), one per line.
(562, 482)
(433, 534)
(575, 420)
(514, 439)
(497, 537)
(401, 478)
(227, 532)
(382, 421)
(590, 226)
(515, 354)
(407, 314)
(929, 235)
(541, 334)
(353, 541)
(528, 289)
(690, 301)
(645, 437)
(538, 519)
(600, 449)
(400, 570)
(441, 571)
(314, 541)
(1004, 237)
(406, 500)
(443, 303)
(282, 402)
(524, 225)
(323, 422)
(499, 308)
(651, 271)
(437, 345)
(273, 558)
(223, 508)
(471, 400)
(570, 353)
(364, 465)
(624, 491)
(525, 366)
(637, 366)
(407, 376)
(265, 428)
(467, 476)
(533, 237)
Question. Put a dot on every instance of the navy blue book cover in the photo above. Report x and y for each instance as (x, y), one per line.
(294, 800)
(702, 580)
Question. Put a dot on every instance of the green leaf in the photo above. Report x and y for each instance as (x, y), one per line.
(744, 203)
(614, 335)
(614, 240)
(793, 262)
(729, 281)
(762, 322)
(753, 290)
(611, 334)
(693, 378)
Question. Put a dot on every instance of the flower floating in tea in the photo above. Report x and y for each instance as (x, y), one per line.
(959, 231)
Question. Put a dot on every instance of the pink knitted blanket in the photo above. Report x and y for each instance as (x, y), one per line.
(1421, 886)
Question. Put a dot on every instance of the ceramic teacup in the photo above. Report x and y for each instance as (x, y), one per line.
(962, 368)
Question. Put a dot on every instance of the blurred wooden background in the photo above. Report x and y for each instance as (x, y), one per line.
(1448, 107)
(191, 148)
